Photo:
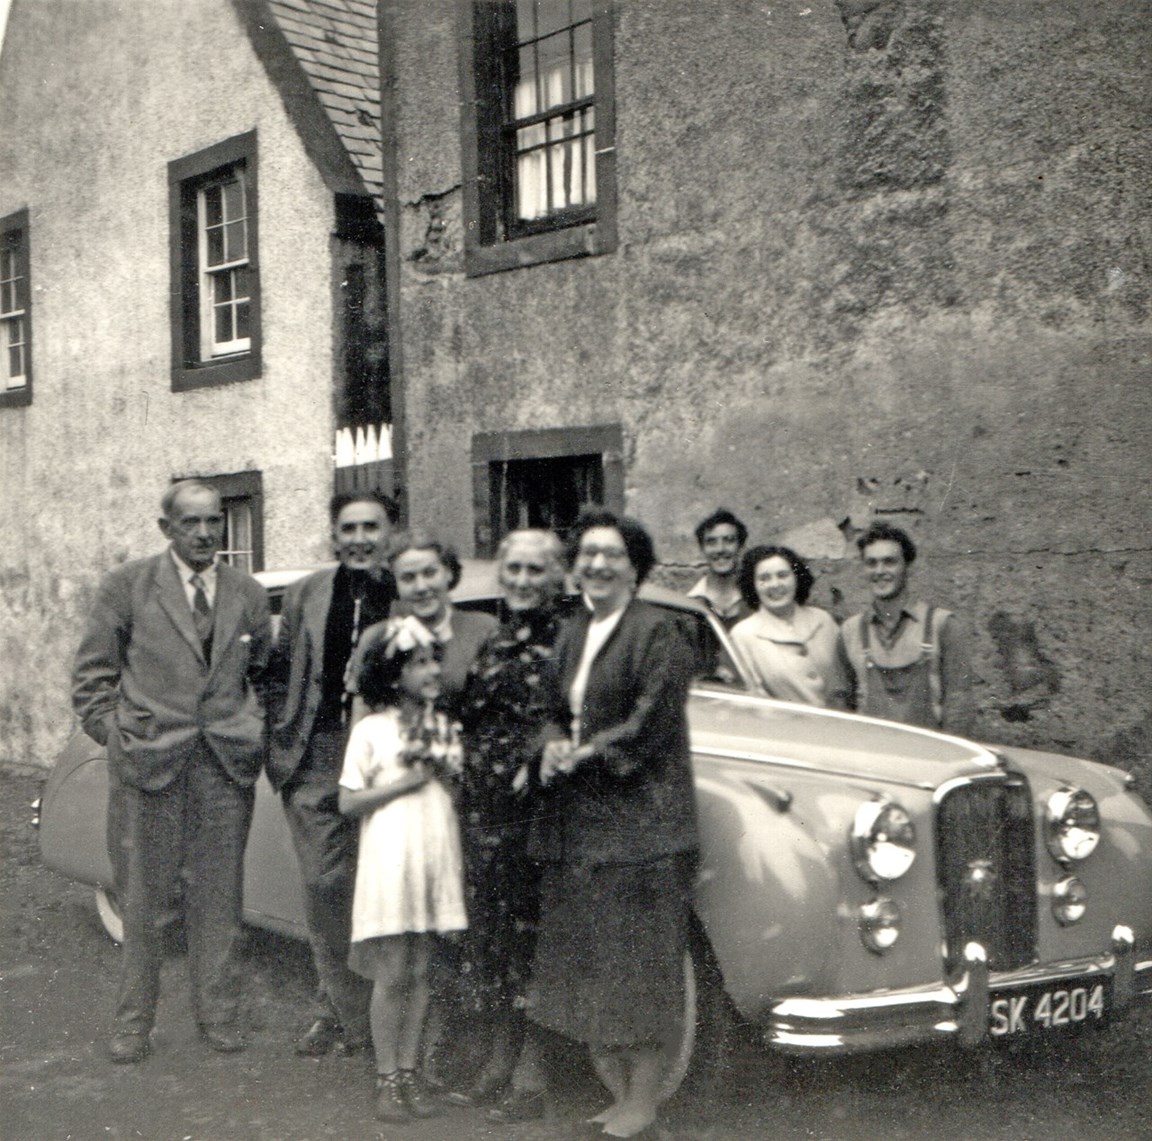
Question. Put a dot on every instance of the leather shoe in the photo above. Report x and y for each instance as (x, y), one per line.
(322, 1035)
(390, 1102)
(650, 1132)
(519, 1105)
(126, 1048)
(347, 1047)
(222, 1037)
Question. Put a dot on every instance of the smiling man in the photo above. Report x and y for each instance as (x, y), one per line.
(908, 661)
(721, 537)
(323, 618)
(169, 677)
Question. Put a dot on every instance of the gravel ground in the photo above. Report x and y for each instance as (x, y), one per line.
(58, 980)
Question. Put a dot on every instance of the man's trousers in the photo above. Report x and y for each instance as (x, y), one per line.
(182, 842)
(326, 845)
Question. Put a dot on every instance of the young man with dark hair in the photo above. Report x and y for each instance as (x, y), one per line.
(323, 618)
(908, 661)
(721, 537)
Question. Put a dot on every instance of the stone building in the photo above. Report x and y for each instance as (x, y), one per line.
(818, 262)
(191, 287)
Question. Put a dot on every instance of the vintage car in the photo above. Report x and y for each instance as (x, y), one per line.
(863, 884)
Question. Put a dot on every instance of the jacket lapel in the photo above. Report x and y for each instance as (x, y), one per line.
(174, 602)
(227, 612)
(314, 619)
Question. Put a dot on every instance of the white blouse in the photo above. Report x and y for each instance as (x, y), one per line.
(599, 631)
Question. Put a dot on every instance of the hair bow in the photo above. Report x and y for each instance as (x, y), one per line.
(403, 635)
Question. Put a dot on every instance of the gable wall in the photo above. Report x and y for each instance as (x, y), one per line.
(98, 97)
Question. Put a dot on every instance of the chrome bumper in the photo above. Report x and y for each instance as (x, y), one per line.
(959, 1008)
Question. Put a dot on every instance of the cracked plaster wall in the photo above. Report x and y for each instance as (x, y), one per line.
(876, 258)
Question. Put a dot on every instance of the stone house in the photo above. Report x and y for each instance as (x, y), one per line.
(818, 262)
(192, 285)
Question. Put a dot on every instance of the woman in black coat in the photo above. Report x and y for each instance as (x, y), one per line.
(616, 828)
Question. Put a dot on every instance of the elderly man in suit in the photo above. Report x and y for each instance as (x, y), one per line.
(322, 619)
(169, 677)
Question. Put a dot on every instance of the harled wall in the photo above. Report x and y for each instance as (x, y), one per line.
(97, 97)
(875, 258)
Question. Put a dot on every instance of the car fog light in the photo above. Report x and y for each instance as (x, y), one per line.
(1069, 901)
(1073, 824)
(880, 924)
(883, 840)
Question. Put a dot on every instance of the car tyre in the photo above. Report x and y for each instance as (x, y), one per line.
(712, 1029)
(678, 1057)
(108, 908)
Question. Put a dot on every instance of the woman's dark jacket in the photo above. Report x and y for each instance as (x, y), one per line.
(633, 800)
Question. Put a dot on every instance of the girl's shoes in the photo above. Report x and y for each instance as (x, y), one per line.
(391, 1104)
(417, 1096)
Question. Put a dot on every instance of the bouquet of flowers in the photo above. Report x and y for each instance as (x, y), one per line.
(434, 740)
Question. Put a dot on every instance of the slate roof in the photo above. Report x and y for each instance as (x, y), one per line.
(336, 43)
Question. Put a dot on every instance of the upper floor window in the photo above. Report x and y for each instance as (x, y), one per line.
(15, 311)
(539, 127)
(216, 302)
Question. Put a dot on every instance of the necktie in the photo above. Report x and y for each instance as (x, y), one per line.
(201, 614)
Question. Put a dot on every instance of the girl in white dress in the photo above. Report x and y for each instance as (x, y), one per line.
(409, 880)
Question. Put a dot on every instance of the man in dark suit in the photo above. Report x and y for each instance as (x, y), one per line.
(323, 617)
(169, 677)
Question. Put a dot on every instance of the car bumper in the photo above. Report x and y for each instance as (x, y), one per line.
(958, 1009)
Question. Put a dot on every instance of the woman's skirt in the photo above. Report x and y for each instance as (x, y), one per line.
(609, 963)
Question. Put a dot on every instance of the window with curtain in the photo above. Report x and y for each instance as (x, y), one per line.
(539, 149)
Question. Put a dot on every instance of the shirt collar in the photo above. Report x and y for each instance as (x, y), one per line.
(877, 619)
(700, 591)
(208, 574)
(607, 617)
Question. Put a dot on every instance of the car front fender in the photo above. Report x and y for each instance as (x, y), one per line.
(767, 893)
(73, 817)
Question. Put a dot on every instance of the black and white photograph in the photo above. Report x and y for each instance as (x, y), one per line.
(575, 570)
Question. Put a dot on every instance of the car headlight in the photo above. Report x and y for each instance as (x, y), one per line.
(880, 924)
(883, 840)
(1073, 824)
(1069, 901)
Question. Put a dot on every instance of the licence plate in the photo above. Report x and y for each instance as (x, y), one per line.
(1045, 1007)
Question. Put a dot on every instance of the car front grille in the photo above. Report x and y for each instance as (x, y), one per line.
(985, 858)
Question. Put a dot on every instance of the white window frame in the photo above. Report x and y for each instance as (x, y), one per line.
(239, 550)
(198, 359)
(228, 270)
(13, 315)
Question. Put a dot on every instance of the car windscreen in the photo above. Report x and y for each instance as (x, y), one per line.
(712, 663)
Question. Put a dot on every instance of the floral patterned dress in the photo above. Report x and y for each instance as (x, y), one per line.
(502, 713)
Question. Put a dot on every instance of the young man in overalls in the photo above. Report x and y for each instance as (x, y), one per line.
(908, 661)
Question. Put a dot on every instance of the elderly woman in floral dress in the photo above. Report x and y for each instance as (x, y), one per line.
(502, 716)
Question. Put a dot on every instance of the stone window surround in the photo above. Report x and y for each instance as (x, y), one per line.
(487, 246)
(605, 440)
(187, 177)
(16, 223)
